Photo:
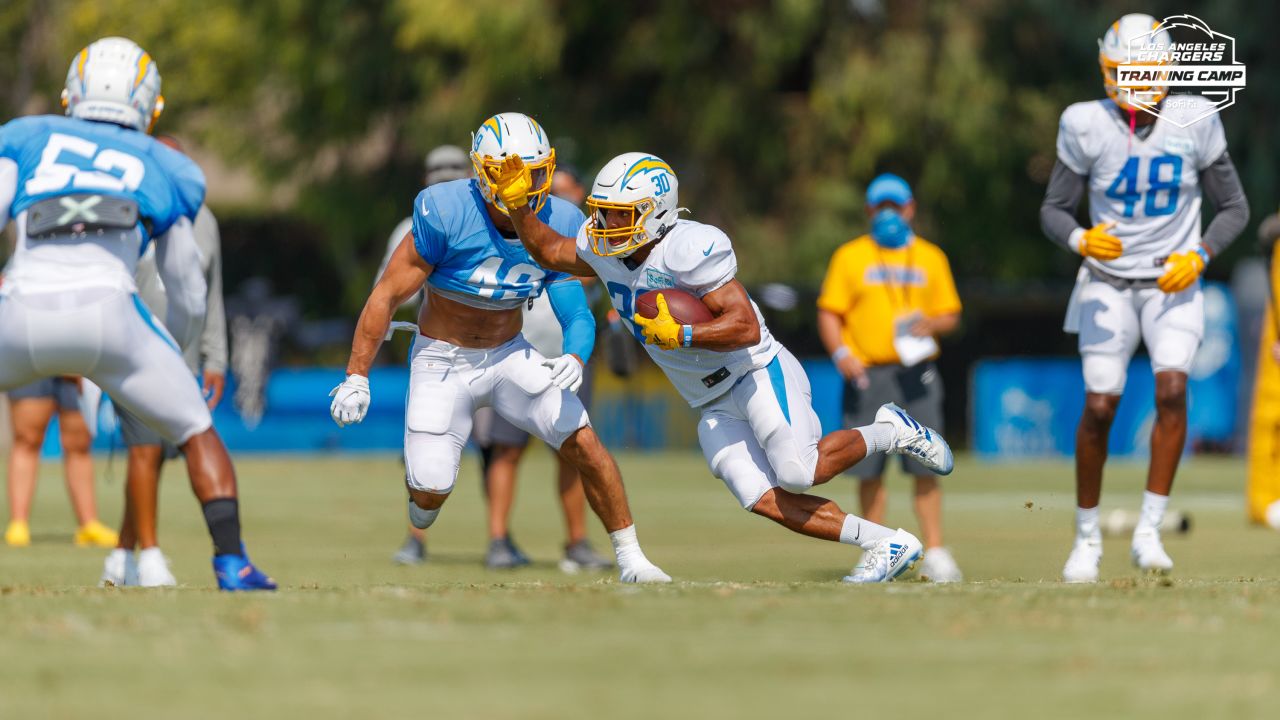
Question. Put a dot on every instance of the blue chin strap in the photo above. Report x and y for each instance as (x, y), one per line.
(889, 229)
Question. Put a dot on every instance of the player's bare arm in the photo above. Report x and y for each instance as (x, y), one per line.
(830, 331)
(735, 325)
(549, 248)
(405, 276)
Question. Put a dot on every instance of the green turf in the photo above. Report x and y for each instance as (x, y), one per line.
(755, 627)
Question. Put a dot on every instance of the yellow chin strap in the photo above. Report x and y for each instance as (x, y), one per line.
(603, 237)
(155, 114)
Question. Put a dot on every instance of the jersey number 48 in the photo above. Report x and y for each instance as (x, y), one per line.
(1164, 174)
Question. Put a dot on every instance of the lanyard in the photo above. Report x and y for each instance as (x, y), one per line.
(893, 288)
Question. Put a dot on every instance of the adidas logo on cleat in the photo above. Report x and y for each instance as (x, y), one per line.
(895, 551)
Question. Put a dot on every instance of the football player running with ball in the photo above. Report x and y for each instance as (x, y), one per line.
(758, 430)
(469, 352)
(1143, 257)
(89, 193)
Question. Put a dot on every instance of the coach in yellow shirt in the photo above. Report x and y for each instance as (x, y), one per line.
(887, 296)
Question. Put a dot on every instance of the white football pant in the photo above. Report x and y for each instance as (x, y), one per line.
(110, 337)
(763, 433)
(447, 384)
(1112, 321)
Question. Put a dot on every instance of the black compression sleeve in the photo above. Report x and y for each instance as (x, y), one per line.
(1061, 198)
(1221, 184)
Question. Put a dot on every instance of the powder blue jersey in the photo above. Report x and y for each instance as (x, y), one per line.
(58, 155)
(472, 262)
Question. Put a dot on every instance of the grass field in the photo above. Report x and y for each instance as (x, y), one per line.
(755, 626)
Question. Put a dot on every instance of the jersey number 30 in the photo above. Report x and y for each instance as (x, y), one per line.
(624, 303)
(1164, 174)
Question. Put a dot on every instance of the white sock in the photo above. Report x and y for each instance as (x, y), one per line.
(862, 533)
(626, 547)
(1087, 527)
(877, 436)
(1153, 507)
(420, 518)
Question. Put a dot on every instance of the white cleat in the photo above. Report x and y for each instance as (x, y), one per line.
(940, 567)
(1082, 564)
(153, 569)
(911, 438)
(119, 569)
(1273, 515)
(888, 559)
(1148, 553)
(645, 572)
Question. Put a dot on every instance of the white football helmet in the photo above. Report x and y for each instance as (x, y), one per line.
(513, 133)
(642, 185)
(1113, 50)
(115, 81)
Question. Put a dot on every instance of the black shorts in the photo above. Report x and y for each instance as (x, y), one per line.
(65, 392)
(917, 389)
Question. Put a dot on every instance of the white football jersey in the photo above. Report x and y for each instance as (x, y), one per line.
(1150, 187)
(542, 328)
(698, 259)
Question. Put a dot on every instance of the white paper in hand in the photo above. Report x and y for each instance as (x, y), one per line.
(911, 349)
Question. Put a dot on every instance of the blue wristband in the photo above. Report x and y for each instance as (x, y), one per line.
(1204, 254)
(687, 335)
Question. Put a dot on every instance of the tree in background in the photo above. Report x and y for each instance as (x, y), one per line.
(775, 114)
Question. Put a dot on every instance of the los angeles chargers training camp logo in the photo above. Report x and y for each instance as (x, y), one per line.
(1181, 56)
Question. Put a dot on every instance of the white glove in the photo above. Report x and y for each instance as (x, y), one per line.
(566, 372)
(350, 400)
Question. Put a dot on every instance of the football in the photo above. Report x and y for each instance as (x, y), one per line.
(685, 308)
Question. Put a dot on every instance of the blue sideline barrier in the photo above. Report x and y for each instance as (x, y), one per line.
(1021, 407)
(1028, 407)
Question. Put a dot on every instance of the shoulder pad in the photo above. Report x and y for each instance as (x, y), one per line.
(1079, 117)
(700, 256)
(187, 177)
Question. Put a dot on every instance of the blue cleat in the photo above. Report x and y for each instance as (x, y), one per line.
(235, 572)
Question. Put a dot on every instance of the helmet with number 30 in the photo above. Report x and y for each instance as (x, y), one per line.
(507, 134)
(113, 80)
(643, 187)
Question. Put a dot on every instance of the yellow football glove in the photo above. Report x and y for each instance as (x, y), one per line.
(661, 330)
(512, 182)
(1100, 244)
(1182, 269)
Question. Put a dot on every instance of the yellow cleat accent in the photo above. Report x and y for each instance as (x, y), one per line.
(18, 534)
(95, 534)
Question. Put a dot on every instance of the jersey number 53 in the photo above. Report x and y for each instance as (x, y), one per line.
(69, 162)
